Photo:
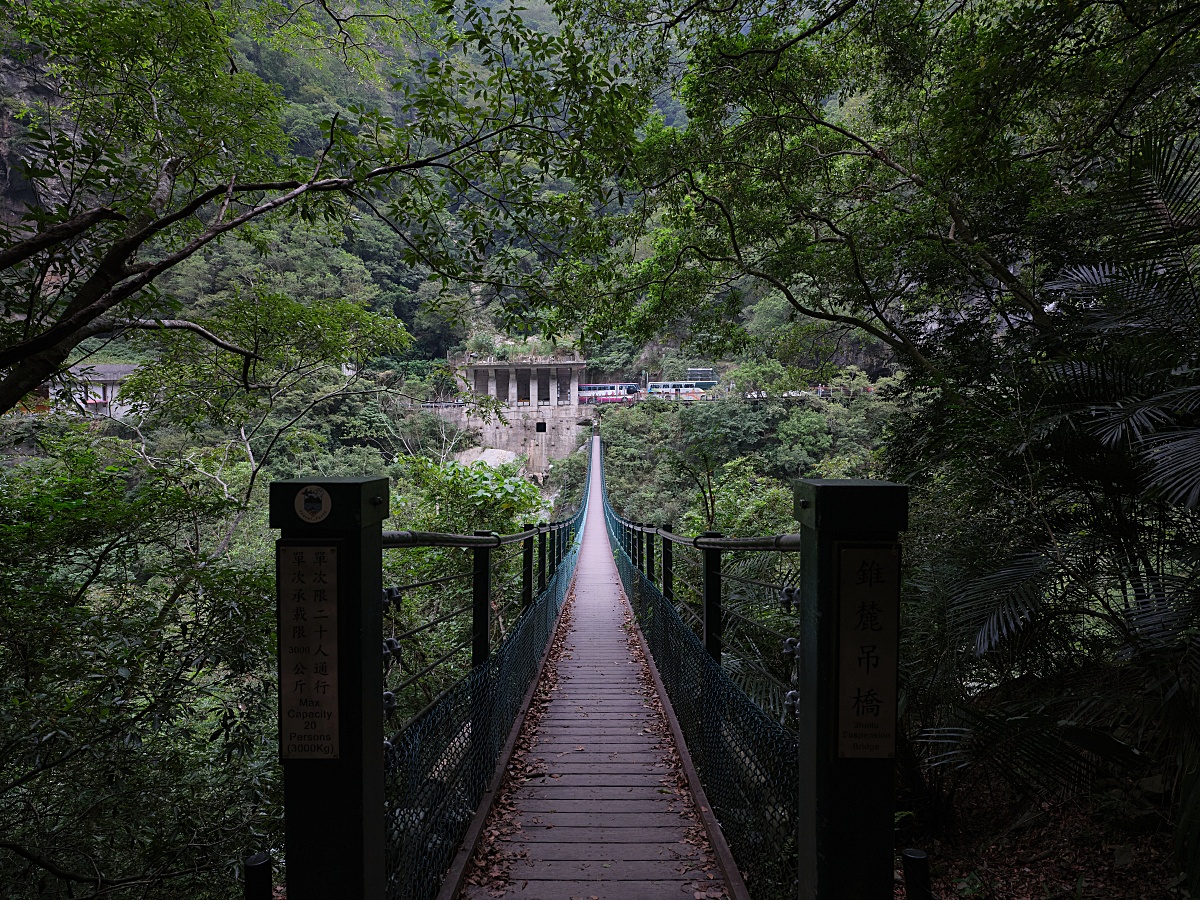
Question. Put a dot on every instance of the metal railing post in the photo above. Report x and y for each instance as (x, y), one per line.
(712, 599)
(481, 598)
(668, 570)
(329, 578)
(639, 547)
(848, 685)
(541, 559)
(527, 568)
(916, 875)
(257, 872)
(649, 570)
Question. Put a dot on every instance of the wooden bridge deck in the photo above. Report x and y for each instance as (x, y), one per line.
(605, 820)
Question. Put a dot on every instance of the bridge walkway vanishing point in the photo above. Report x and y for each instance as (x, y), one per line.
(602, 817)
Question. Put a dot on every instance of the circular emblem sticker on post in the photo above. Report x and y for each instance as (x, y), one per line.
(313, 503)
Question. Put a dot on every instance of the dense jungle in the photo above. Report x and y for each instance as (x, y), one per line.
(953, 244)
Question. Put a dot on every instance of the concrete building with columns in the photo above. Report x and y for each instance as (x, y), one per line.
(539, 397)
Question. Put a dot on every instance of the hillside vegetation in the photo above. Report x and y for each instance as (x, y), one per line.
(988, 213)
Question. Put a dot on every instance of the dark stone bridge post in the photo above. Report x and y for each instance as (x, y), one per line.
(329, 583)
(850, 611)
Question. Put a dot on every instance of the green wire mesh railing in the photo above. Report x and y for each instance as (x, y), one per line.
(747, 762)
(439, 765)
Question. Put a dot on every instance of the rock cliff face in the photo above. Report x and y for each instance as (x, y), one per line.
(21, 83)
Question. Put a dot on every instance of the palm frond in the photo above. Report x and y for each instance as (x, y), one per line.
(1161, 203)
(1000, 604)
(1174, 459)
(1164, 622)
(1031, 749)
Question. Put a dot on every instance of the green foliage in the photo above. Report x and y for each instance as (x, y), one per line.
(614, 359)
(136, 670)
(1003, 194)
(566, 480)
(197, 173)
(294, 344)
(1053, 552)
(665, 459)
(745, 503)
(450, 497)
(141, 152)
(462, 499)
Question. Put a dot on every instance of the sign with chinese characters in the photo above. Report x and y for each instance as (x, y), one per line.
(308, 651)
(868, 648)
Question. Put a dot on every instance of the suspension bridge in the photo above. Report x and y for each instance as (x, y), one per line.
(711, 716)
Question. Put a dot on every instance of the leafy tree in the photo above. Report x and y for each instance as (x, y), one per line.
(1003, 194)
(151, 143)
(450, 497)
(135, 661)
(305, 357)
(889, 169)
(745, 503)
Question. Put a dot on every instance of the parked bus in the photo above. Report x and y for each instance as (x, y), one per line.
(608, 393)
(678, 390)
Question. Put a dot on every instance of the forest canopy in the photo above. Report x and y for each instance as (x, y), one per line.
(287, 213)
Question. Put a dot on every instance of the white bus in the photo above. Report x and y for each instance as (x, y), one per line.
(678, 390)
(608, 393)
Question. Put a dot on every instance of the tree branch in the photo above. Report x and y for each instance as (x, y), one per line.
(105, 326)
(99, 881)
(56, 234)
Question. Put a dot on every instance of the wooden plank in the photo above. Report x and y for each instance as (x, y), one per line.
(605, 767)
(590, 890)
(664, 834)
(608, 870)
(589, 778)
(608, 852)
(643, 791)
(645, 757)
(583, 726)
(589, 805)
(601, 820)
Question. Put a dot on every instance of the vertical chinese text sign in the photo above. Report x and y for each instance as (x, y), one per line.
(308, 652)
(868, 647)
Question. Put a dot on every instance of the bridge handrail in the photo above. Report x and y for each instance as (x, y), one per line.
(788, 543)
(393, 540)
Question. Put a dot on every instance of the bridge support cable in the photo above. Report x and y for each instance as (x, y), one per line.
(375, 818)
(806, 803)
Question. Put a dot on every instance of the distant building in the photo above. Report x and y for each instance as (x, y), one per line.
(93, 388)
(702, 375)
(540, 399)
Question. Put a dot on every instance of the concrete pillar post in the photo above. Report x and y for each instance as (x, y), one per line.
(328, 565)
(491, 383)
(553, 386)
(574, 386)
(849, 685)
(512, 386)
